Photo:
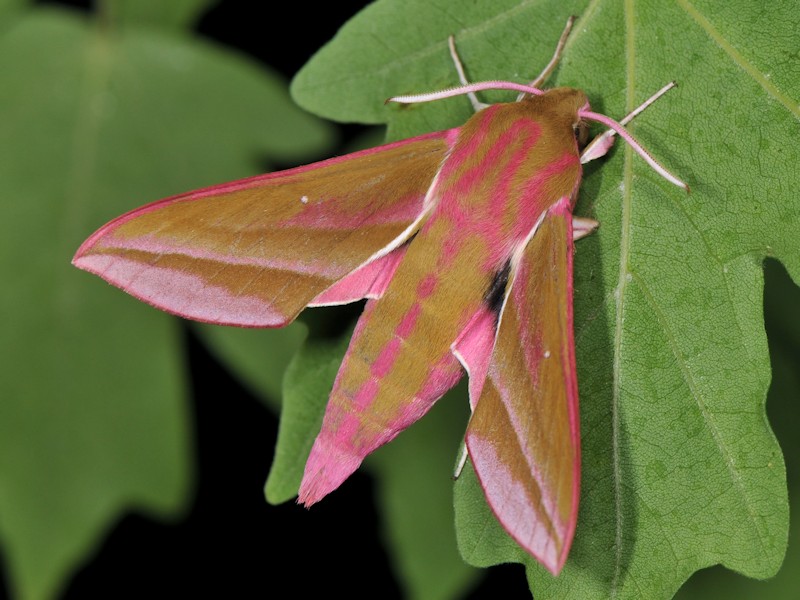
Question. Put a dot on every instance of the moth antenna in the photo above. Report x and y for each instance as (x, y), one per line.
(623, 133)
(636, 111)
(469, 88)
(548, 70)
(477, 105)
(602, 143)
(466, 89)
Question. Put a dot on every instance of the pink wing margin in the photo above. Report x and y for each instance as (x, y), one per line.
(523, 438)
(255, 252)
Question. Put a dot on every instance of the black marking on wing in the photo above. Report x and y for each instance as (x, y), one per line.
(496, 293)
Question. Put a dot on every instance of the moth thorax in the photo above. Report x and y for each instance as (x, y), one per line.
(556, 111)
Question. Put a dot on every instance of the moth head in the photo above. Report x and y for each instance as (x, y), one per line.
(581, 130)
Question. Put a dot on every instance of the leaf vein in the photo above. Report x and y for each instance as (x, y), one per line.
(707, 414)
(739, 59)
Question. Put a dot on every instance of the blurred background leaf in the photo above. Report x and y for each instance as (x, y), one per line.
(176, 14)
(8, 7)
(100, 118)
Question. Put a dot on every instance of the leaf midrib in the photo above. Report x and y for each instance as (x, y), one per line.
(98, 55)
(622, 281)
(626, 275)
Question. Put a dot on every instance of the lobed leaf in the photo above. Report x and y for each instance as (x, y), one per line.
(673, 362)
(781, 299)
(93, 420)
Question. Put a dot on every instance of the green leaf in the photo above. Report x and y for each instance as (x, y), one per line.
(781, 299)
(346, 83)
(8, 8)
(176, 14)
(307, 384)
(93, 420)
(680, 468)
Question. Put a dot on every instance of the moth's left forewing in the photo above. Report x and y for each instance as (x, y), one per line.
(523, 437)
(256, 252)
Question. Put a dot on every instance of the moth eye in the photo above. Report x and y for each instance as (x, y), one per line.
(581, 130)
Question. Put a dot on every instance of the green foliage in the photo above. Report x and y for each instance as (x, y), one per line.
(781, 300)
(98, 119)
(7, 7)
(175, 14)
(680, 467)
(307, 383)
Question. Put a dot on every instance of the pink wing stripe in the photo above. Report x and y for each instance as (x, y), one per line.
(326, 217)
(158, 247)
(335, 456)
(342, 443)
(474, 349)
(512, 508)
(370, 281)
(179, 290)
(252, 182)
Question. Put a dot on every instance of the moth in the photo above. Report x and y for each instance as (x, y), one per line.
(461, 242)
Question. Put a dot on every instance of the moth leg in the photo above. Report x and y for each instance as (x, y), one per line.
(477, 105)
(600, 145)
(556, 56)
(461, 462)
(581, 227)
